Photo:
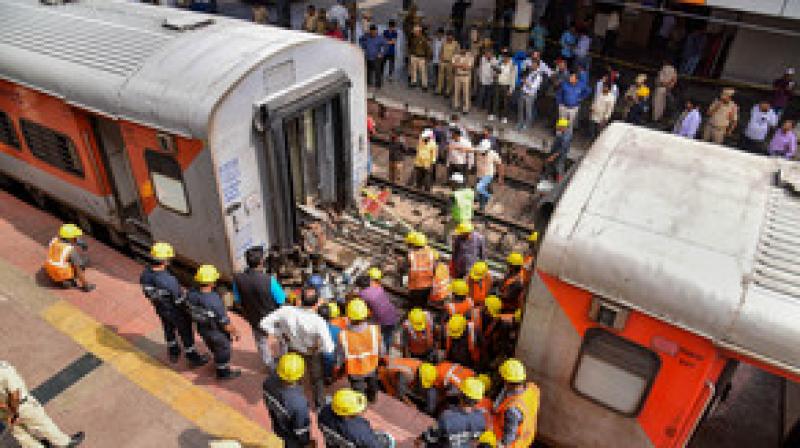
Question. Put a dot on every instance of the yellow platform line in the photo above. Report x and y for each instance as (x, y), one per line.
(192, 402)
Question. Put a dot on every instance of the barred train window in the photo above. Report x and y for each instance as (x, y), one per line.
(8, 135)
(165, 173)
(614, 372)
(52, 147)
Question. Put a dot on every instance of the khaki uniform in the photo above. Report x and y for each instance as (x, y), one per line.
(720, 119)
(419, 49)
(444, 85)
(33, 423)
(664, 83)
(462, 69)
(310, 23)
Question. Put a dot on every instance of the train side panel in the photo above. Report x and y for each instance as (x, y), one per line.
(665, 373)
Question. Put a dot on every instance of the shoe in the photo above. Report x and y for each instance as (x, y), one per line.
(88, 287)
(174, 354)
(490, 117)
(196, 360)
(76, 439)
(228, 374)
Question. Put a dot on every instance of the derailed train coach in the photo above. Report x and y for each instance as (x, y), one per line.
(162, 124)
(667, 265)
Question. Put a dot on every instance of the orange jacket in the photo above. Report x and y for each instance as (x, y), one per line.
(421, 265)
(514, 303)
(474, 350)
(528, 403)
(361, 350)
(57, 265)
(441, 283)
(451, 374)
(479, 289)
(341, 322)
(419, 343)
(464, 307)
(398, 366)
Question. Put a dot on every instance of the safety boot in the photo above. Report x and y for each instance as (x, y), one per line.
(228, 374)
(196, 359)
(174, 353)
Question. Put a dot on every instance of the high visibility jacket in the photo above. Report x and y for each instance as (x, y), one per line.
(395, 367)
(361, 350)
(472, 340)
(464, 307)
(57, 265)
(451, 374)
(462, 204)
(478, 290)
(341, 322)
(514, 303)
(527, 403)
(441, 283)
(421, 265)
(419, 343)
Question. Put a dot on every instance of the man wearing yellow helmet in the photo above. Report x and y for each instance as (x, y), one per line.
(500, 328)
(513, 289)
(381, 308)
(411, 381)
(420, 266)
(343, 418)
(555, 163)
(418, 337)
(166, 295)
(529, 259)
(640, 110)
(517, 407)
(461, 425)
(462, 342)
(479, 282)
(64, 264)
(361, 348)
(469, 246)
(286, 402)
(213, 323)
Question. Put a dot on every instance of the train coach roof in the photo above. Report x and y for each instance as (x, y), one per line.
(702, 236)
(159, 66)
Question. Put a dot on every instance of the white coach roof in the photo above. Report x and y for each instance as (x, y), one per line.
(692, 233)
(159, 66)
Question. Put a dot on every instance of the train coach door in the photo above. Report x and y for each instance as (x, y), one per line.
(306, 160)
(117, 166)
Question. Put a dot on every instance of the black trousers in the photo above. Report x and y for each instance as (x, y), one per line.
(219, 343)
(375, 72)
(316, 375)
(389, 63)
(366, 384)
(176, 322)
(423, 178)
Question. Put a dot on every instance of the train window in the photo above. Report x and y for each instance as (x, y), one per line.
(8, 135)
(52, 147)
(165, 173)
(614, 372)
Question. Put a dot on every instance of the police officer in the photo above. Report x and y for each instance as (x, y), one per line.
(212, 320)
(64, 264)
(24, 415)
(166, 295)
(516, 408)
(287, 404)
(462, 425)
(343, 417)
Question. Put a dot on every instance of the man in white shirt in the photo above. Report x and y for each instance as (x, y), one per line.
(487, 163)
(506, 81)
(689, 121)
(457, 152)
(754, 138)
(485, 79)
(339, 13)
(303, 331)
(526, 106)
(436, 57)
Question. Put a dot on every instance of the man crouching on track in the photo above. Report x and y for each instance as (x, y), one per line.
(213, 324)
(64, 265)
(166, 295)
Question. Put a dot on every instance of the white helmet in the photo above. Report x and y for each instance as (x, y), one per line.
(427, 133)
(457, 178)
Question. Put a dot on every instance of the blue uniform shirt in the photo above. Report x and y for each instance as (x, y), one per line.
(162, 280)
(374, 47)
(390, 35)
(461, 426)
(356, 430)
(212, 302)
(295, 422)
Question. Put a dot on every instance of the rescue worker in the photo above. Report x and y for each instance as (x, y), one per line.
(418, 337)
(529, 260)
(462, 342)
(461, 204)
(450, 375)
(440, 291)
(287, 403)
(326, 310)
(421, 265)
(460, 302)
(213, 324)
(361, 349)
(343, 417)
(469, 246)
(516, 407)
(479, 282)
(337, 319)
(166, 295)
(460, 426)
(512, 291)
(65, 265)
(500, 329)
(411, 381)
(486, 403)
(26, 419)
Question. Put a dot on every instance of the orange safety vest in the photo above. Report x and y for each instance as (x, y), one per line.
(57, 265)
(361, 350)
(528, 403)
(441, 283)
(451, 374)
(514, 303)
(341, 322)
(394, 367)
(421, 265)
(419, 342)
(474, 350)
(479, 289)
(463, 307)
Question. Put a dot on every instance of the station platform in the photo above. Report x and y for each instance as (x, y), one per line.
(98, 360)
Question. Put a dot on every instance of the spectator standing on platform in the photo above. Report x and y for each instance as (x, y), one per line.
(458, 15)
(322, 22)
(569, 98)
(582, 47)
(754, 138)
(419, 50)
(390, 35)
(784, 142)
(610, 78)
(612, 32)
(436, 57)
(486, 77)
(425, 161)
(602, 109)
(665, 81)
(506, 79)
(444, 81)
(538, 39)
(334, 30)
(526, 107)
(374, 46)
(641, 108)
(723, 116)
(784, 89)
(338, 13)
(630, 95)
(462, 74)
(362, 26)
(689, 121)
(310, 19)
(568, 42)
(692, 51)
